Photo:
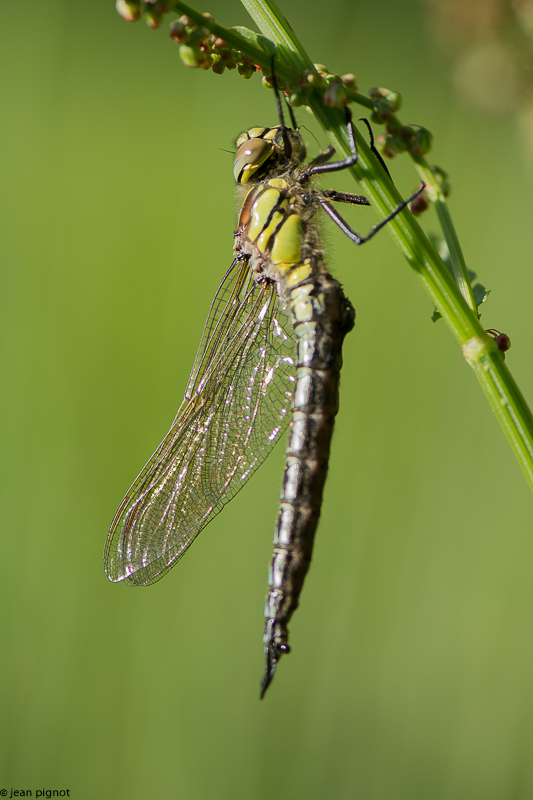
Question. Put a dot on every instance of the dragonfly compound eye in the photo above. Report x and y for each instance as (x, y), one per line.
(250, 157)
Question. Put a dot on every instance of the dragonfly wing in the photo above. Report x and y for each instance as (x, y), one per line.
(236, 407)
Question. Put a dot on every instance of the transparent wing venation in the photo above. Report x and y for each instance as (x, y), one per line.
(237, 405)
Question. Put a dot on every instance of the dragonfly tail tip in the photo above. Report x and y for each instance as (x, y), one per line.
(273, 653)
(271, 662)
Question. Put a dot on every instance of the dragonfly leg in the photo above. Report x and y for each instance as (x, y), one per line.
(322, 157)
(335, 166)
(279, 105)
(373, 146)
(346, 197)
(349, 231)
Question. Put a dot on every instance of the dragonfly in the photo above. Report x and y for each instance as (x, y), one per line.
(269, 359)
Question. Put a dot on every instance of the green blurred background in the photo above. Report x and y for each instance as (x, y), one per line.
(412, 667)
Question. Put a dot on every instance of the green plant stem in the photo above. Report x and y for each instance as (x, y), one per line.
(479, 349)
(460, 272)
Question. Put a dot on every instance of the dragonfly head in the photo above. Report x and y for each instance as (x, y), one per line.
(262, 150)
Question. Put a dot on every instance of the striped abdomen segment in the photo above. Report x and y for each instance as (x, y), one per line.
(315, 405)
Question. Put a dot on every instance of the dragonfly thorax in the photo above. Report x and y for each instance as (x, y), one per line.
(263, 151)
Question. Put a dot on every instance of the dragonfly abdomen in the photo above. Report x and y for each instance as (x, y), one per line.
(327, 317)
(278, 236)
